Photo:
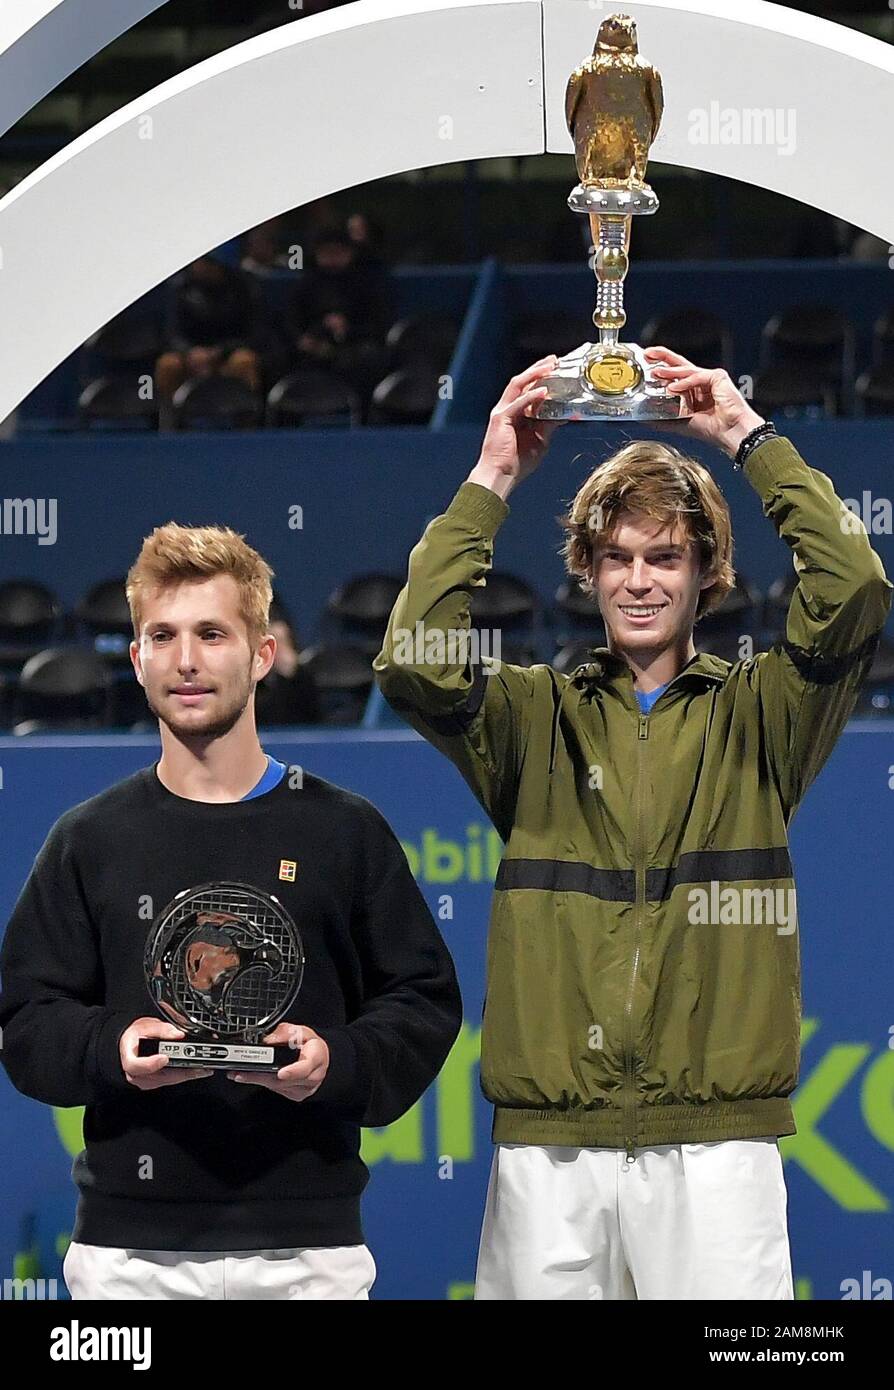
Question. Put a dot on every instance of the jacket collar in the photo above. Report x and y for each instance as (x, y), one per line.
(606, 667)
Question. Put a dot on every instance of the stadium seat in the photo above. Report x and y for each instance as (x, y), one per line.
(64, 687)
(422, 338)
(817, 342)
(740, 611)
(128, 339)
(874, 391)
(877, 695)
(505, 601)
(513, 653)
(116, 403)
(29, 615)
(574, 654)
(343, 676)
(697, 334)
(216, 403)
(532, 336)
(357, 611)
(883, 339)
(405, 397)
(795, 392)
(314, 399)
(104, 613)
(723, 643)
(575, 612)
(776, 603)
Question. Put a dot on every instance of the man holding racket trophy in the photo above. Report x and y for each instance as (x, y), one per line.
(229, 963)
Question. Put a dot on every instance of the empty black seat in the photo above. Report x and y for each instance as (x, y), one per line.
(117, 403)
(63, 684)
(312, 398)
(777, 601)
(405, 397)
(428, 338)
(533, 336)
(577, 653)
(817, 342)
(877, 694)
(815, 333)
(795, 392)
(105, 615)
(883, 339)
(128, 338)
(361, 607)
(505, 599)
(32, 727)
(216, 403)
(740, 611)
(695, 333)
(343, 676)
(513, 653)
(874, 391)
(29, 612)
(722, 643)
(366, 599)
(574, 605)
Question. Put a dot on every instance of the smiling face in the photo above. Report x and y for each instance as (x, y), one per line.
(647, 581)
(194, 657)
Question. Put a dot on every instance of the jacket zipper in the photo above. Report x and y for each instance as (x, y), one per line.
(629, 1060)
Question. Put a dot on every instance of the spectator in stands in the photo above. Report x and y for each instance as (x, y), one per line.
(287, 694)
(866, 247)
(339, 312)
(220, 323)
(368, 238)
(261, 249)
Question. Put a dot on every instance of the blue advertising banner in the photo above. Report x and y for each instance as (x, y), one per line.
(429, 1170)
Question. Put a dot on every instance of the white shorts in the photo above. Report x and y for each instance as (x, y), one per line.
(684, 1221)
(107, 1272)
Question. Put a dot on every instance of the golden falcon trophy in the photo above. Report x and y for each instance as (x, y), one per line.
(613, 107)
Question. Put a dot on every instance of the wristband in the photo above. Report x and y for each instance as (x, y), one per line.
(751, 441)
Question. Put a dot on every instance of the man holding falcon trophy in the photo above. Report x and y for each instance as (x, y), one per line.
(638, 1048)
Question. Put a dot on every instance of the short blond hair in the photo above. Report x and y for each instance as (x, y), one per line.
(668, 486)
(174, 553)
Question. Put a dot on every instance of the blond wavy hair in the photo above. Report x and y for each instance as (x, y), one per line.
(174, 553)
(668, 486)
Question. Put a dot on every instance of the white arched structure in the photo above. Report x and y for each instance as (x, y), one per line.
(381, 86)
(43, 41)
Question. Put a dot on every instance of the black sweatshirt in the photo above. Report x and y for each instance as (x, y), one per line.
(217, 1164)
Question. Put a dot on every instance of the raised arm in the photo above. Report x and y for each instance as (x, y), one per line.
(808, 682)
(476, 713)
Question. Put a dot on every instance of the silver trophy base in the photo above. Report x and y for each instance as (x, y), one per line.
(222, 1056)
(615, 202)
(607, 381)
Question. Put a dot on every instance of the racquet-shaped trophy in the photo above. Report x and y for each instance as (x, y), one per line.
(613, 107)
(224, 962)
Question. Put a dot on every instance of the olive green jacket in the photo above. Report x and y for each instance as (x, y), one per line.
(643, 982)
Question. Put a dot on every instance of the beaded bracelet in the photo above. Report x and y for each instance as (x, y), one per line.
(751, 441)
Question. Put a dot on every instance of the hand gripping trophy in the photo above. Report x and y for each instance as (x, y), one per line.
(613, 107)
